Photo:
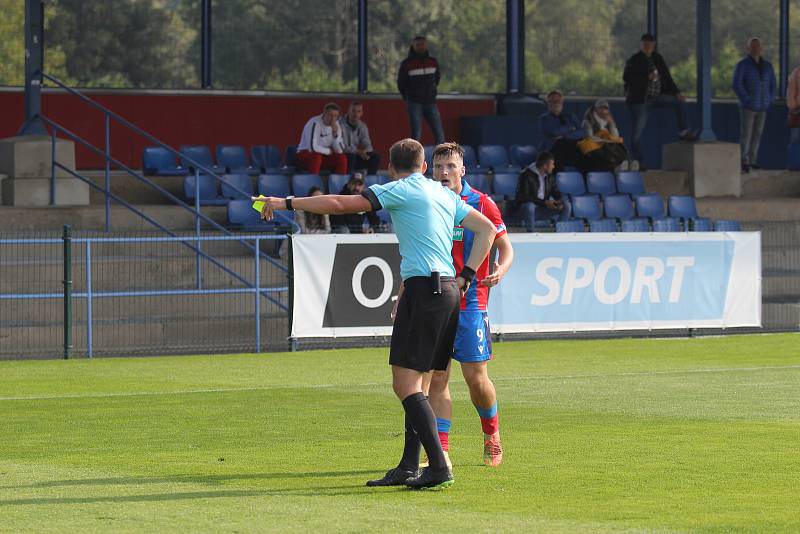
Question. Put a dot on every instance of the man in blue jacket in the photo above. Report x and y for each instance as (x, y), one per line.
(560, 133)
(754, 85)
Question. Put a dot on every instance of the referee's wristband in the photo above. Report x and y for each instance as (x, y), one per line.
(289, 203)
(467, 273)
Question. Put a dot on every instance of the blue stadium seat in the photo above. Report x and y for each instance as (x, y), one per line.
(301, 183)
(158, 160)
(494, 157)
(603, 225)
(631, 183)
(702, 225)
(504, 186)
(479, 182)
(635, 225)
(571, 183)
(274, 185)
(234, 159)
(727, 226)
(372, 179)
(470, 160)
(650, 205)
(242, 214)
(266, 157)
(522, 155)
(385, 217)
(666, 225)
(336, 182)
(573, 225)
(429, 158)
(684, 208)
(232, 182)
(209, 190)
(601, 183)
(290, 158)
(586, 207)
(618, 207)
(199, 153)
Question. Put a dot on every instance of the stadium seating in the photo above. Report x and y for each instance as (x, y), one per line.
(573, 225)
(234, 159)
(158, 160)
(601, 183)
(684, 207)
(494, 157)
(290, 159)
(266, 157)
(504, 186)
(209, 190)
(522, 155)
(301, 183)
(603, 225)
(635, 225)
(618, 207)
(199, 153)
(242, 214)
(702, 225)
(727, 226)
(650, 205)
(571, 183)
(372, 179)
(232, 184)
(586, 207)
(479, 182)
(385, 217)
(470, 160)
(336, 182)
(274, 185)
(631, 183)
(666, 225)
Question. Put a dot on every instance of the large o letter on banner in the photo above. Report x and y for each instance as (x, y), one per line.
(388, 282)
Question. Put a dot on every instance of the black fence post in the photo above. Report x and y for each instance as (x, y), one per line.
(67, 238)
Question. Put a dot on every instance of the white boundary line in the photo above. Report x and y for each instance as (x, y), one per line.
(386, 383)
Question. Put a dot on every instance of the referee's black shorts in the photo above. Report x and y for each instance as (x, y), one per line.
(425, 325)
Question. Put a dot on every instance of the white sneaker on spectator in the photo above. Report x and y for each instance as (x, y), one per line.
(623, 166)
(634, 165)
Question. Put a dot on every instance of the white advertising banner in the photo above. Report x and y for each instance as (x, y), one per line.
(345, 285)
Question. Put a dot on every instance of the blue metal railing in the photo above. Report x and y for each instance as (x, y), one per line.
(106, 190)
(90, 295)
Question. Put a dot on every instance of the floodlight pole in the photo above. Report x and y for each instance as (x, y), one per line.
(784, 48)
(515, 46)
(205, 44)
(704, 69)
(652, 18)
(34, 64)
(362, 47)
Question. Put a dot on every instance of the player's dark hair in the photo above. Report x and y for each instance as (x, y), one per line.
(649, 37)
(329, 106)
(543, 158)
(554, 92)
(407, 155)
(447, 150)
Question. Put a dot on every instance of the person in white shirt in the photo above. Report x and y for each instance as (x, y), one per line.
(321, 145)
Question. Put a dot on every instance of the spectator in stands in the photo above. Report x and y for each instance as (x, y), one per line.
(353, 223)
(793, 104)
(313, 223)
(755, 87)
(417, 80)
(561, 132)
(648, 83)
(357, 143)
(602, 146)
(537, 197)
(321, 144)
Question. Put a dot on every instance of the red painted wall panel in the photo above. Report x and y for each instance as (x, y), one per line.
(218, 119)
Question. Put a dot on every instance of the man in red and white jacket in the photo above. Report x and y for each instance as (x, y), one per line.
(321, 145)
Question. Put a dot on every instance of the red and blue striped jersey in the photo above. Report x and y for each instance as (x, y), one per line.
(477, 296)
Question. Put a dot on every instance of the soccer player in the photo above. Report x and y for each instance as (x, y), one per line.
(473, 346)
(424, 214)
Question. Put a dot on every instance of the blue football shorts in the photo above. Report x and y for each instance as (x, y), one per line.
(473, 338)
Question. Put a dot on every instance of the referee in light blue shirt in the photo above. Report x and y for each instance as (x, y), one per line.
(424, 214)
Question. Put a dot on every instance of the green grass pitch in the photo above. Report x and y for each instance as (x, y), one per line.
(697, 435)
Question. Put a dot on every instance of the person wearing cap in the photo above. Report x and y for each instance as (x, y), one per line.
(353, 223)
(648, 84)
(602, 146)
(417, 80)
(755, 87)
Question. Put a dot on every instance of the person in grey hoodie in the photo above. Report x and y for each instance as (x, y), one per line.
(357, 143)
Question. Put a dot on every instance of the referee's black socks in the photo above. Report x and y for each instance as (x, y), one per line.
(422, 419)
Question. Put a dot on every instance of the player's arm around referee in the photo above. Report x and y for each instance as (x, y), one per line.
(424, 214)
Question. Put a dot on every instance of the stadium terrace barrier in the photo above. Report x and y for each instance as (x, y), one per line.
(141, 295)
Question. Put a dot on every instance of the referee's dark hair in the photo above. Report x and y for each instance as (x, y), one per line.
(407, 155)
(543, 158)
(448, 149)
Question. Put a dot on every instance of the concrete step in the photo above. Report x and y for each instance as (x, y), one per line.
(781, 283)
(667, 183)
(749, 209)
(771, 183)
(132, 189)
(779, 257)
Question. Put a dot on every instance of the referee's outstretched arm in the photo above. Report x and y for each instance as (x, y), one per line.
(322, 204)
